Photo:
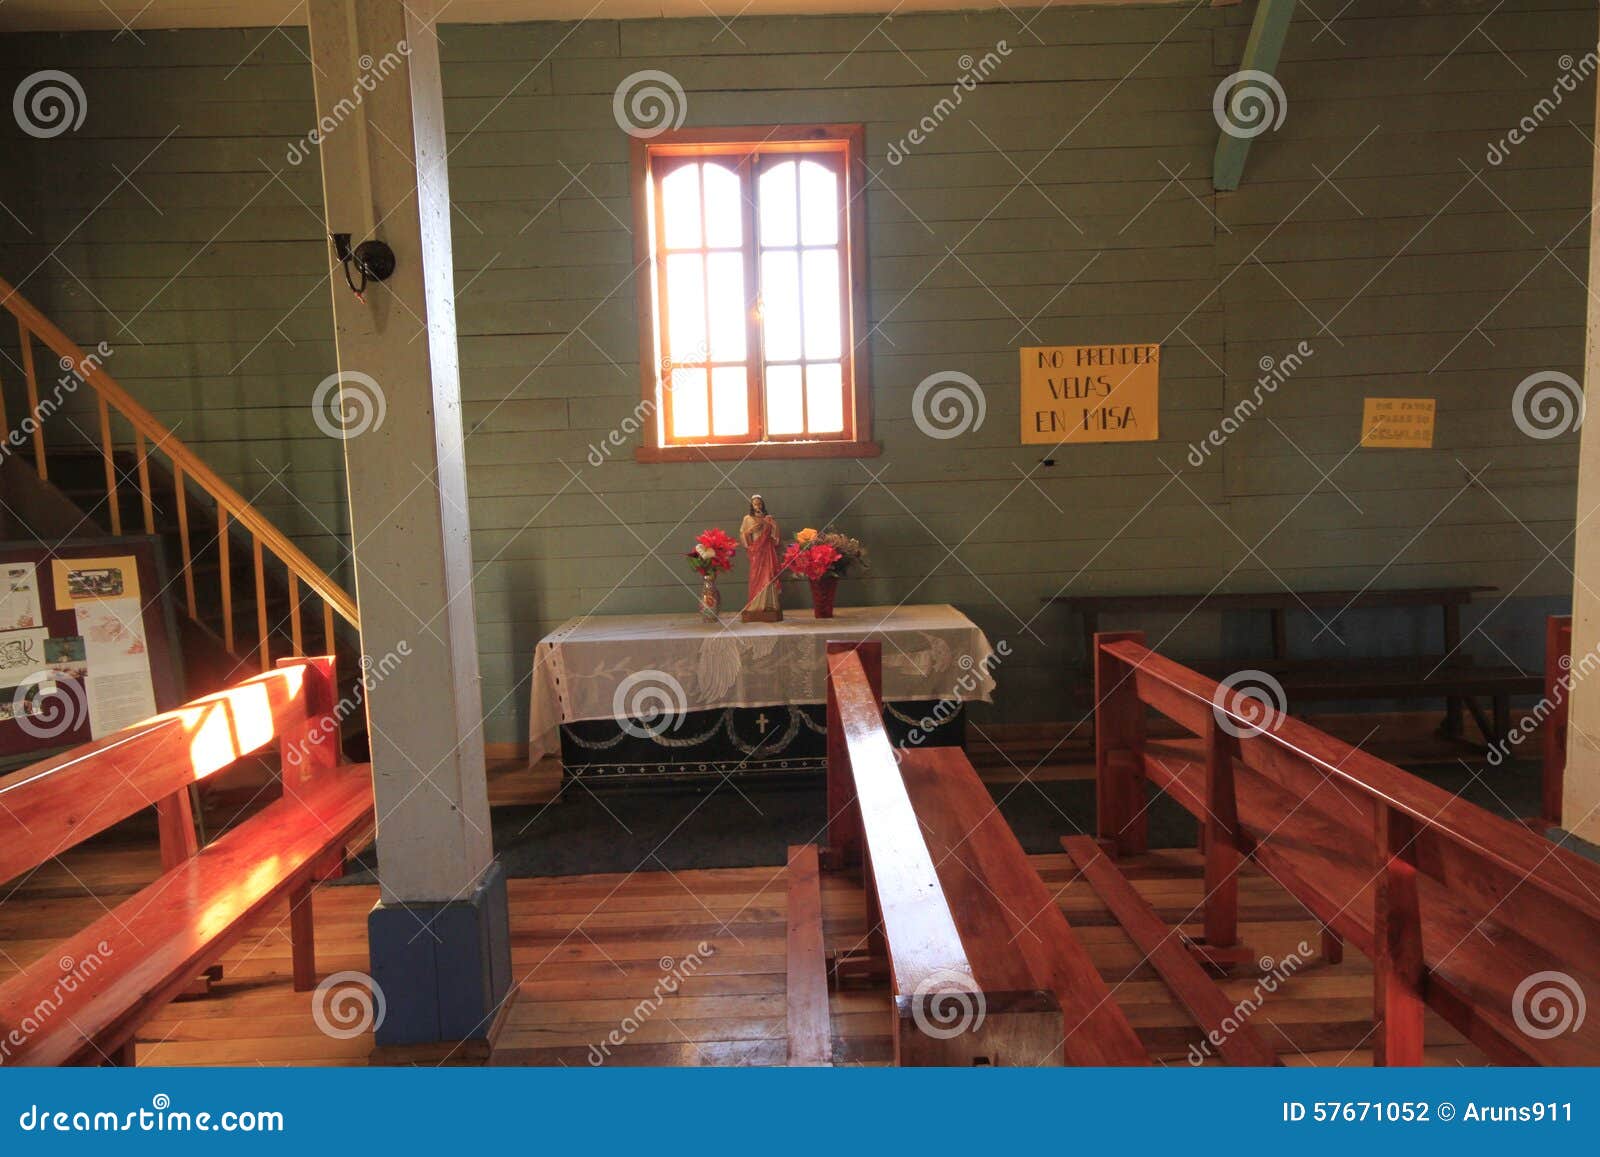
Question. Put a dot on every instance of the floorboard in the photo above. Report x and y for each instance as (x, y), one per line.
(591, 953)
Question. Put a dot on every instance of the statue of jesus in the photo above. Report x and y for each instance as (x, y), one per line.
(759, 534)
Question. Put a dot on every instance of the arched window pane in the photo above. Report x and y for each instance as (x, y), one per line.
(819, 204)
(724, 208)
(680, 208)
(777, 204)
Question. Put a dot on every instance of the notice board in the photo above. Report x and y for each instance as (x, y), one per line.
(87, 642)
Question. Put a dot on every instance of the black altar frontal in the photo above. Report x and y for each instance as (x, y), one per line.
(738, 742)
(657, 699)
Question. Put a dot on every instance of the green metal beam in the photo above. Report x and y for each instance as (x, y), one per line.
(1261, 52)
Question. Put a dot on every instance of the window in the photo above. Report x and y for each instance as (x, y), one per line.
(751, 293)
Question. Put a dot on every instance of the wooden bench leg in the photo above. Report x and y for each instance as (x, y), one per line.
(1398, 971)
(1219, 830)
(302, 938)
(1502, 718)
(1453, 725)
(1332, 946)
(1481, 718)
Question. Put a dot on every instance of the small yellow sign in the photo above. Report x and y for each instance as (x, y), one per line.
(1091, 393)
(1398, 423)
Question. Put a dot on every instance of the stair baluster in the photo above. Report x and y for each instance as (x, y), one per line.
(107, 447)
(261, 606)
(32, 379)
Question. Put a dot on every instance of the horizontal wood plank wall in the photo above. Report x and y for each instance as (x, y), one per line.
(1418, 269)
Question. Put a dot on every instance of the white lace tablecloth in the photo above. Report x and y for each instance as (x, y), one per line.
(617, 666)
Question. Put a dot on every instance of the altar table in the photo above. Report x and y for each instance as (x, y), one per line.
(636, 695)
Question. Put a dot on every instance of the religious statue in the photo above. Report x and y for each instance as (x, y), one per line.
(759, 534)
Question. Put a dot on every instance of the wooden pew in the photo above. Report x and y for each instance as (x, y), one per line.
(83, 1002)
(982, 964)
(1447, 674)
(1472, 915)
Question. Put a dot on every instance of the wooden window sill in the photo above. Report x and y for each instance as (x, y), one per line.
(724, 452)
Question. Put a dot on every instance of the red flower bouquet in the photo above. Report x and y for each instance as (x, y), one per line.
(810, 561)
(713, 552)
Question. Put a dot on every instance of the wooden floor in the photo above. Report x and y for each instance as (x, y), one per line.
(597, 956)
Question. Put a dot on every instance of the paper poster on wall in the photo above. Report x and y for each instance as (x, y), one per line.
(19, 597)
(1091, 393)
(24, 671)
(1398, 423)
(78, 580)
(119, 689)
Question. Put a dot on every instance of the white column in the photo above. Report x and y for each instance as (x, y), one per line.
(382, 143)
(1580, 805)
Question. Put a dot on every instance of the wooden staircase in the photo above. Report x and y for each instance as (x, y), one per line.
(220, 647)
(247, 594)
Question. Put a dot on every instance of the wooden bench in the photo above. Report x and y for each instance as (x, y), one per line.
(983, 966)
(1449, 675)
(1472, 915)
(85, 999)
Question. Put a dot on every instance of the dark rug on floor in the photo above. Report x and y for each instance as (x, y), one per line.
(723, 827)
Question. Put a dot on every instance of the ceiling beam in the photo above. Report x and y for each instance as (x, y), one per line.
(1261, 52)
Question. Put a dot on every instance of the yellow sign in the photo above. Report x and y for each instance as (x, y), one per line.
(1398, 423)
(1090, 393)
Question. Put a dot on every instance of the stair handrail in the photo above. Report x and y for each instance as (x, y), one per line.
(191, 465)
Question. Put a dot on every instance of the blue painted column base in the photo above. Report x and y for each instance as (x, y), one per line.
(444, 969)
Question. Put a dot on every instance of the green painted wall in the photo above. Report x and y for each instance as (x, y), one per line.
(1067, 200)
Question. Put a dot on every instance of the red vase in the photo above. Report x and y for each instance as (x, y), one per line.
(823, 591)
